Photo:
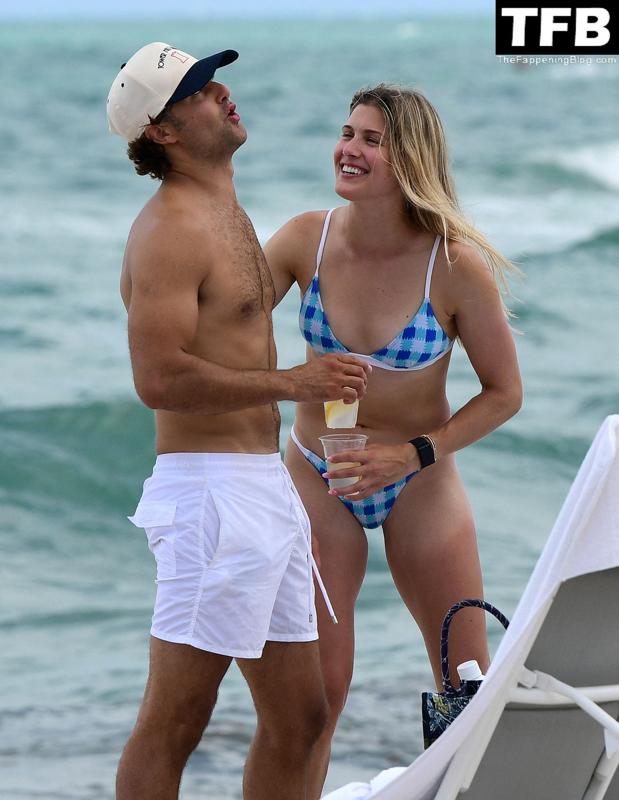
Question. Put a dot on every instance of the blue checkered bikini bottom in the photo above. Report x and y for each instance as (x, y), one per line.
(373, 510)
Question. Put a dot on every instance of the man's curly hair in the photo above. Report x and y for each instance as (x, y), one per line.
(150, 158)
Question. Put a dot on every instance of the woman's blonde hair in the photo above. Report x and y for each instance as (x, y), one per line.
(420, 163)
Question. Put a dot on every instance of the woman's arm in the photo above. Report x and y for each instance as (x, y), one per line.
(488, 341)
(287, 248)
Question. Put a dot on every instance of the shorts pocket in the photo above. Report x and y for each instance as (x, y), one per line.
(157, 519)
(249, 536)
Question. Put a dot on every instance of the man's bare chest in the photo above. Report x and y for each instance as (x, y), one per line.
(238, 275)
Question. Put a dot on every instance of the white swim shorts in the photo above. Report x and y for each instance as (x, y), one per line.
(232, 544)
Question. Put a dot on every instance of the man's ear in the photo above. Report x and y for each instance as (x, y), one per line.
(160, 134)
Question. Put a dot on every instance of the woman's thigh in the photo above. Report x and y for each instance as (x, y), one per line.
(431, 549)
(343, 551)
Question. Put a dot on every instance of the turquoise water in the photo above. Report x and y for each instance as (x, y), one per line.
(536, 158)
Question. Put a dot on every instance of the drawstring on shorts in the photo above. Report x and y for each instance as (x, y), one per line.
(311, 561)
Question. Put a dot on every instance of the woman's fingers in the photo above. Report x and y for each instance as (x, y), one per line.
(375, 471)
(357, 491)
(348, 472)
(359, 456)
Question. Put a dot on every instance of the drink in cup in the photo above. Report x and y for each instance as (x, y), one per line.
(338, 443)
(339, 414)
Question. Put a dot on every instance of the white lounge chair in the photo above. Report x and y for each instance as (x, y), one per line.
(543, 725)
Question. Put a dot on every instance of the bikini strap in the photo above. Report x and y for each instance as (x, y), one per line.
(437, 241)
(323, 238)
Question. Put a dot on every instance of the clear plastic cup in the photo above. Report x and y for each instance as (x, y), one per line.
(334, 443)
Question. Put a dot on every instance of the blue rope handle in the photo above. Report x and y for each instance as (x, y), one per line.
(447, 684)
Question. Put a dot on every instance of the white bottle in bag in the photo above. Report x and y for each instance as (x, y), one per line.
(470, 675)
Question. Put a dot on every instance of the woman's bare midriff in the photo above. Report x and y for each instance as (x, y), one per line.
(396, 407)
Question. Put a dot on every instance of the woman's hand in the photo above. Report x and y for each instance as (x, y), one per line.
(381, 465)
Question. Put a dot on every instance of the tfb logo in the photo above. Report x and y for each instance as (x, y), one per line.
(555, 28)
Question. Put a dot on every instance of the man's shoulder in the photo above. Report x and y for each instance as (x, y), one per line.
(167, 244)
(165, 222)
(167, 227)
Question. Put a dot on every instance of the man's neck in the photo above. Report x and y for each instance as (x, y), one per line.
(215, 180)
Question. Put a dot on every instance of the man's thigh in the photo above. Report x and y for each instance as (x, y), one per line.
(286, 684)
(182, 683)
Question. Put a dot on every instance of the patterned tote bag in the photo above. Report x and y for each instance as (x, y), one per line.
(439, 709)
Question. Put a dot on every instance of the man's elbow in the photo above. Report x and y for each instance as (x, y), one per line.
(156, 380)
(152, 391)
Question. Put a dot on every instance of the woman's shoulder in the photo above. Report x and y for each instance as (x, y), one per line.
(293, 247)
(466, 263)
(465, 274)
(305, 224)
(465, 254)
(298, 236)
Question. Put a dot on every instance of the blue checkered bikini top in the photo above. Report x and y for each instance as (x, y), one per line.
(421, 343)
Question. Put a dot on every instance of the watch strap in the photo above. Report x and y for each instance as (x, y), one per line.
(426, 450)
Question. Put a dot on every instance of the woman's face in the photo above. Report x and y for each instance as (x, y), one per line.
(361, 157)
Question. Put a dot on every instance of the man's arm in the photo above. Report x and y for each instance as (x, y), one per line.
(163, 319)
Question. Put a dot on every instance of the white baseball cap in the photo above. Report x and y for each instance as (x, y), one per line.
(154, 77)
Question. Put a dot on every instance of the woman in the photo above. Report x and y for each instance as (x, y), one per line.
(397, 264)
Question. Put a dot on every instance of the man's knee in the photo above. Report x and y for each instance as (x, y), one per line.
(298, 731)
(176, 726)
(313, 721)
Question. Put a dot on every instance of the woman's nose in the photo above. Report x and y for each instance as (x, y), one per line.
(351, 148)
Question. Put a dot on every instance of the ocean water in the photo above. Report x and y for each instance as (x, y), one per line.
(536, 159)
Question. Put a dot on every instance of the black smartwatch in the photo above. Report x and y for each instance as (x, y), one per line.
(426, 448)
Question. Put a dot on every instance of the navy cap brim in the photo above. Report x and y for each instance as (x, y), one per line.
(200, 74)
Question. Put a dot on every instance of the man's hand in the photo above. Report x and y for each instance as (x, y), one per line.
(329, 377)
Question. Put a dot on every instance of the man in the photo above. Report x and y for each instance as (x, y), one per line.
(228, 531)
